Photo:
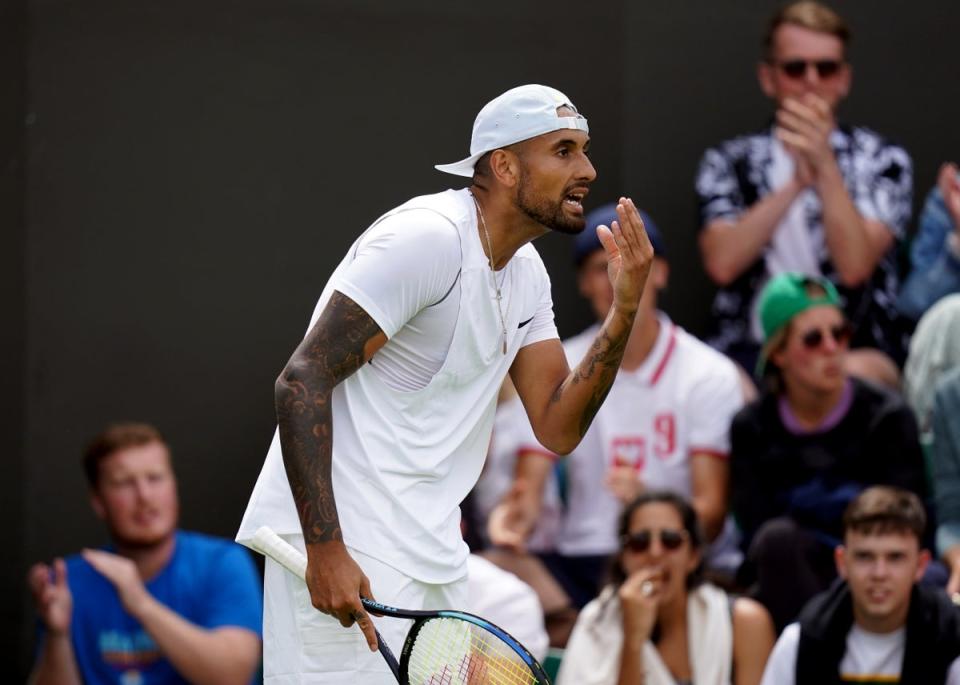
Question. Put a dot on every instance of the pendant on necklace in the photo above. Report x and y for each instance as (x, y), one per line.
(493, 273)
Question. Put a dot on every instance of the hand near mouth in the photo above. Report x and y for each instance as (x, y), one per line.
(640, 598)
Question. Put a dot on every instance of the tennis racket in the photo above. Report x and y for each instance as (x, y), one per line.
(442, 647)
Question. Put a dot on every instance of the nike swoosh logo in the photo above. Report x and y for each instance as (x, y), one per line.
(524, 323)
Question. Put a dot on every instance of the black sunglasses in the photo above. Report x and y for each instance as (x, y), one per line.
(797, 68)
(840, 333)
(639, 542)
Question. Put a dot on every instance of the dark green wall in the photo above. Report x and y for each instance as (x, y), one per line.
(13, 303)
(195, 170)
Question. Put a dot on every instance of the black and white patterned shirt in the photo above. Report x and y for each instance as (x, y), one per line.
(879, 179)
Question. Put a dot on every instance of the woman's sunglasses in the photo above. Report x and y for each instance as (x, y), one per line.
(840, 333)
(639, 542)
(797, 68)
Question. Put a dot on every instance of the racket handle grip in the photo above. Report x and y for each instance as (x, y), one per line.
(272, 545)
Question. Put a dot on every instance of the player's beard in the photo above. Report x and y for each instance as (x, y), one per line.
(543, 210)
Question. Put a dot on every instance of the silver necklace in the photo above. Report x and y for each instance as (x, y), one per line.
(493, 273)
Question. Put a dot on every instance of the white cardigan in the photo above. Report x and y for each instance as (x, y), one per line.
(592, 656)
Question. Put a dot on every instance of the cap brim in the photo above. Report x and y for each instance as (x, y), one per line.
(462, 168)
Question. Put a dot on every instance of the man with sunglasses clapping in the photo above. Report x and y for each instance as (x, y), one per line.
(813, 440)
(807, 194)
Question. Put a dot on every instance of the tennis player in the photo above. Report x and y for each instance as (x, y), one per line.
(385, 408)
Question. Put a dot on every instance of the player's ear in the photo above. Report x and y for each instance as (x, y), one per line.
(505, 166)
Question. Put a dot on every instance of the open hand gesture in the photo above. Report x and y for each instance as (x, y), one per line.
(629, 255)
(52, 595)
(122, 574)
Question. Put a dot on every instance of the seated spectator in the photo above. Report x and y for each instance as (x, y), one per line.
(877, 624)
(159, 605)
(809, 445)
(935, 252)
(807, 194)
(945, 451)
(934, 350)
(665, 425)
(656, 622)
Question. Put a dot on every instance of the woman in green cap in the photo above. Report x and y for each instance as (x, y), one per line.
(813, 440)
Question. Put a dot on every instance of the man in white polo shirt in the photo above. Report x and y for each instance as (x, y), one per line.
(385, 408)
(665, 425)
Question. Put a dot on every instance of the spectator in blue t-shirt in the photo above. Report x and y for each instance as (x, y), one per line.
(159, 605)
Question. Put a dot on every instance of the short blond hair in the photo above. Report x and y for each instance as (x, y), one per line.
(809, 15)
(116, 437)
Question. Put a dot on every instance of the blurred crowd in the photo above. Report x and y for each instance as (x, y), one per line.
(820, 414)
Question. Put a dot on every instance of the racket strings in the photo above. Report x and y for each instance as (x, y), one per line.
(449, 651)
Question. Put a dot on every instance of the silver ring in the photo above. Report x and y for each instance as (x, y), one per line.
(646, 588)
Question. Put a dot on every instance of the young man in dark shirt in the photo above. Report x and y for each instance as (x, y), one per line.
(877, 625)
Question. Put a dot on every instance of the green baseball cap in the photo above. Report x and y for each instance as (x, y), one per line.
(785, 296)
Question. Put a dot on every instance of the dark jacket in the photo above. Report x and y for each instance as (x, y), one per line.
(933, 636)
(813, 477)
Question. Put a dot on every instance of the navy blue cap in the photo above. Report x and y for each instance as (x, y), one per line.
(587, 242)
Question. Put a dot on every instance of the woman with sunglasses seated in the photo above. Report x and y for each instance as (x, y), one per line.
(658, 622)
(813, 440)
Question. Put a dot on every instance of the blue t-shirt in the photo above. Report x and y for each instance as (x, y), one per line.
(209, 581)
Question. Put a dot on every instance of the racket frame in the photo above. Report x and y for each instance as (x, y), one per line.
(420, 618)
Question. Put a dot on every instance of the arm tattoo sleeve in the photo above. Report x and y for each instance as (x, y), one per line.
(599, 366)
(331, 352)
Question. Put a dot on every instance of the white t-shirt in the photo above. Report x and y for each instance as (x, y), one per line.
(405, 453)
(870, 657)
(678, 402)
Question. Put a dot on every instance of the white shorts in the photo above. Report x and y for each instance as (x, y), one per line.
(302, 646)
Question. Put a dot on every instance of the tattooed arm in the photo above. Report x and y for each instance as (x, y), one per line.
(343, 338)
(561, 403)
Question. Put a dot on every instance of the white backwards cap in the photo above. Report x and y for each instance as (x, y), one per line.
(519, 114)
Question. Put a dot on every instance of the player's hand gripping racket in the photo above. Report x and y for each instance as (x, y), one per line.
(442, 647)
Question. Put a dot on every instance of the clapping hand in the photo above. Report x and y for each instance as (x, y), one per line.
(122, 574)
(52, 595)
(804, 127)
